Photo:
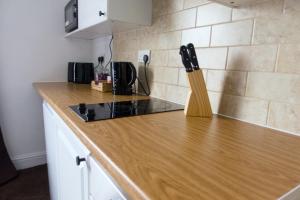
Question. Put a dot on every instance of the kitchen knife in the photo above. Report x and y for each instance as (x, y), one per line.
(193, 56)
(186, 59)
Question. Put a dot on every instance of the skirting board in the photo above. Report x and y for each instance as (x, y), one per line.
(25, 161)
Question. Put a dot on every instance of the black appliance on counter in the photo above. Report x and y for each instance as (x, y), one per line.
(112, 110)
(82, 73)
(71, 16)
(7, 169)
(123, 77)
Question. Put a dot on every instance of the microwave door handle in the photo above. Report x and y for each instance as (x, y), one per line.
(133, 74)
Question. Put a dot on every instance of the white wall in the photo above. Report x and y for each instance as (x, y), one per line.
(101, 48)
(32, 48)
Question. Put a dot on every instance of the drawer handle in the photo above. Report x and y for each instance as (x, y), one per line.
(79, 160)
(101, 13)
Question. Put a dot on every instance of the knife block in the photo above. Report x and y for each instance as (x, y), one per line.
(197, 103)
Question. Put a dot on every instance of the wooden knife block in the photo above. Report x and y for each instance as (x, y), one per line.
(197, 103)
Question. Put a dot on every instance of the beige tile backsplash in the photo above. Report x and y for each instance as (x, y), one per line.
(249, 109)
(194, 3)
(289, 58)
(265, 9)
(274, 87)
(200, 37)
(229, 82)
(231, 34)
(250, 56)
(283, 28)
(292, 5)
(213, 14)
(212, 58)
(284, 116)
(179, 20)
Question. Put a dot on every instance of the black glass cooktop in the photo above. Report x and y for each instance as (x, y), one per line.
(112, 110)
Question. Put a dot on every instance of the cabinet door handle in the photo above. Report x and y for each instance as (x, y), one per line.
(101, 13)
(79, 160)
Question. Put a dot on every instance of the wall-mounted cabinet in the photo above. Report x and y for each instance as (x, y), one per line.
(238, 3)
(98, 18)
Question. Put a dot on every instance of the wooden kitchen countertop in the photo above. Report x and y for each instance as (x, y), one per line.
(168, 156)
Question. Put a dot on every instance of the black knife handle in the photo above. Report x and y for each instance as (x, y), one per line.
(185, 59)
(193, 56)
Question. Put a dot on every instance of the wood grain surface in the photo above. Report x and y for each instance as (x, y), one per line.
(169, 156)
(197, 103)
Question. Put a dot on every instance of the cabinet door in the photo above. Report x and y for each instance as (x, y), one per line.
(101, 187)
(51, 148)
(73, 177)
(89, 12)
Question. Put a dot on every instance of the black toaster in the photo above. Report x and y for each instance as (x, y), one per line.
(82, 73)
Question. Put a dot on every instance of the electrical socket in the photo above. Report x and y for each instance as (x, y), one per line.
(101, 59)
(142, 53)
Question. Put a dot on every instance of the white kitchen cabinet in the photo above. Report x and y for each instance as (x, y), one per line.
(98, 18)
(91, 12)
(51, 148)
(73, 173)
(101, 185)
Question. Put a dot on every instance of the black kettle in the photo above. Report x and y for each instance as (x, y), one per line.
(123, 77)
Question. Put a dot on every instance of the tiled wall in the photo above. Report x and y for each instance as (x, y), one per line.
(250, 56)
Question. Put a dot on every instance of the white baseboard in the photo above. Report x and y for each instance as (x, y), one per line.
(25, 161)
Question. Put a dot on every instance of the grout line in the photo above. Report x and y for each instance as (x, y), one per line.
(268, 112)
(283, 7)
(207, 25)
(240, 70)
(207, 71)
(180, 39)
(210, 37)
(226, 62)
(176, 12)
(196, 20)
(253, 29)
(191, 28)
(184, 9)
(249, 97)
(233, 70)
(178, 74)
(277, 58)
(246, 86)
(231, 17)
(226, 22)
(216, 47)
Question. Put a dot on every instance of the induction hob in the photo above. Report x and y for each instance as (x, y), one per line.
(118, 109)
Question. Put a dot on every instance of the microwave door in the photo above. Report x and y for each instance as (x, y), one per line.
(71, 16)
